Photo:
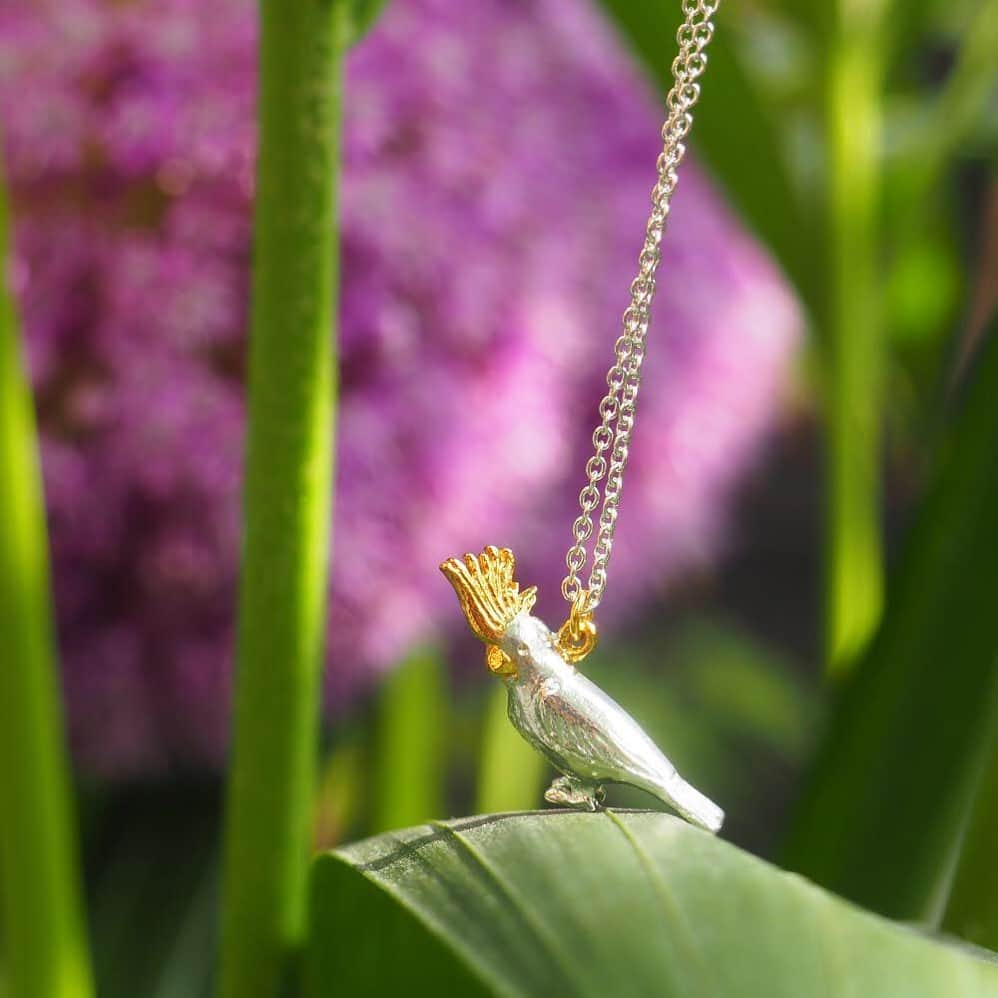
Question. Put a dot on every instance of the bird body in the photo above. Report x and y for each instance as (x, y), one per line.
(585, 733)
(582, 731)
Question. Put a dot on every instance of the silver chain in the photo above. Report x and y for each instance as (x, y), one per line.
(624, 378)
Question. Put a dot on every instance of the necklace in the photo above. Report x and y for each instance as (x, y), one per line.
(584, 733)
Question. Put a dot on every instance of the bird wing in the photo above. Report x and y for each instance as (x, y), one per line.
(587, 732)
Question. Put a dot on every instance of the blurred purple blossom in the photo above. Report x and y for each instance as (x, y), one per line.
(498, 161)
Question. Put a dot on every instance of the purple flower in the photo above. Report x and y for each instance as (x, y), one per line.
(498, 159)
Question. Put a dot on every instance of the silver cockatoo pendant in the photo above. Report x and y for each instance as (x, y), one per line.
(584, 733)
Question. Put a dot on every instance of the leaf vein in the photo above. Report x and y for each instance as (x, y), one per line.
(556, 958)
(667, 901)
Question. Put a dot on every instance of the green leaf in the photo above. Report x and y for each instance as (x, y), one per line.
(45, 940)
(634, 903)
(883, 808)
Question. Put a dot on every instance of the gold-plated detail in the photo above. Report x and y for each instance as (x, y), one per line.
(499, 663)
(490, 598)
(577, 637)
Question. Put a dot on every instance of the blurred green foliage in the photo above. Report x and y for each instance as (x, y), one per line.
(837, 146)
(411, 744)
(155, 893)
(885, 804)
(972, 907)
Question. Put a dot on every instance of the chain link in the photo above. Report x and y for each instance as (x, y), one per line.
(613, 434)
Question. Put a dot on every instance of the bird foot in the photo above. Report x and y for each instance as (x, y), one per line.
(570, 791)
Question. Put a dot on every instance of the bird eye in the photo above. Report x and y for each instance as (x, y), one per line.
(521, 649)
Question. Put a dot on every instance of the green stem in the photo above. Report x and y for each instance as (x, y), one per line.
(410, 770)
(45, 951)
(287, 498)
(511, 772)
(854, 584)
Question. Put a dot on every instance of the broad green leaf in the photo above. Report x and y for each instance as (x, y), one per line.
(884, 805)
(616, 903)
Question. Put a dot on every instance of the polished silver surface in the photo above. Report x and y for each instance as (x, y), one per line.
(584, 733)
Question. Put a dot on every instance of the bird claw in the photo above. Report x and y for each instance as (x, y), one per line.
(569, 791)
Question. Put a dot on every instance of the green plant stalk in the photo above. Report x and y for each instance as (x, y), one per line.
(510, 772)
(410, 765)
(287, 495)
(45, 942)
(854, 581)
(972, 909)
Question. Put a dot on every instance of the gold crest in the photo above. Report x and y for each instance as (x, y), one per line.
(489, 595)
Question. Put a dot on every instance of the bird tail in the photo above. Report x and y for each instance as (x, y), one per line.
(692, 804)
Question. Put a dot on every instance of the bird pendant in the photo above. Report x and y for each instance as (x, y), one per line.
(585, 734)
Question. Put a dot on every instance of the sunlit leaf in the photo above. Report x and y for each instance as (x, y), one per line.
(634, 903)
